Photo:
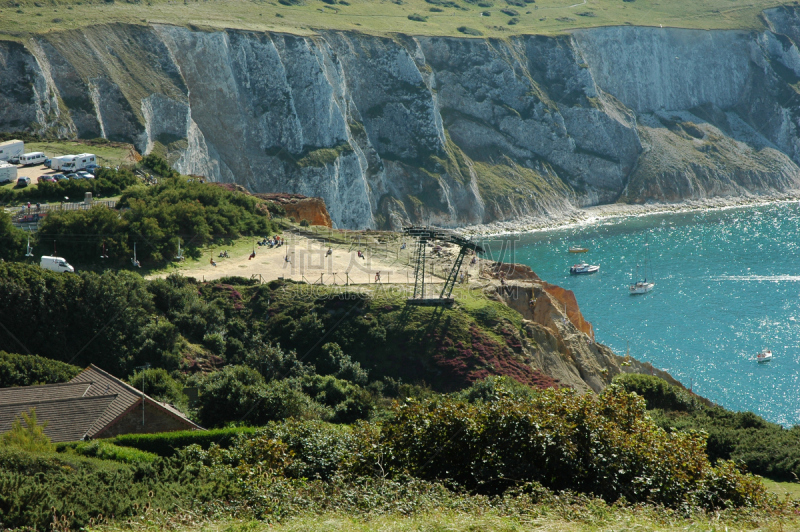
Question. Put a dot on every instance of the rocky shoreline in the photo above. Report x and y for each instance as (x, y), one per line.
(590, 215)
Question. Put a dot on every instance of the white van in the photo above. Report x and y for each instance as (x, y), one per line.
(33, 158)
(56, 264)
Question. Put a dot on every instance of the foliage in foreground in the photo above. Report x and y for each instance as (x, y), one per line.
(764, 448)
(508, 451)
(26, 434)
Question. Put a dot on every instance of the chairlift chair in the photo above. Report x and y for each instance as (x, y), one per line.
(29, 250)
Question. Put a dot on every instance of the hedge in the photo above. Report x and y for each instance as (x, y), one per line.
(166, 443)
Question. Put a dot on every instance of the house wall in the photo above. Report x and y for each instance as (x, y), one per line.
(155, 420)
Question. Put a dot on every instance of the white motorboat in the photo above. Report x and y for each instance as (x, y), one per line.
(764, 356)
(583, 269)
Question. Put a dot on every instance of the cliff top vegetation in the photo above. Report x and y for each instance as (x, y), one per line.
(491, 18)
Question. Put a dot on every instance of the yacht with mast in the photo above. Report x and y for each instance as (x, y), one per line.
(643, 286)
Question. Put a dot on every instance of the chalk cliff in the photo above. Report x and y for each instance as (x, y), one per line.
(451, 131)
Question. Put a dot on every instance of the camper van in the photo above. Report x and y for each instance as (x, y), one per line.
(7, 172)
(33, 158)
(62, 163)
(56, 264)
(11, 150)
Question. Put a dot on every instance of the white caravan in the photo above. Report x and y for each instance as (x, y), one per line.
(62, 163)
(33, 158)
(78, 162)
(11, 150)
(56, 264)
(8, 171)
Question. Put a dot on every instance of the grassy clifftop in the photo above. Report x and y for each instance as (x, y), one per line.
(495, 18)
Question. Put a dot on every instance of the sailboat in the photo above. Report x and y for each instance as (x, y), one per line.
(643, 286)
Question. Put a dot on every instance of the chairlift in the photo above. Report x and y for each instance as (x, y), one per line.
(29, 251)
(134, 260)
(104, 254)
(179, 256)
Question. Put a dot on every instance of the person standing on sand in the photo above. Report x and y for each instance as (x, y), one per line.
(377, 277)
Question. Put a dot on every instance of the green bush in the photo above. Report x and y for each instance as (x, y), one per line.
(107, 451)
(158, 165)
(469, 31)
(657, 392)
(605, 446)
(166, 444)
(155, 218)
(158, 384)
(13, 241)
(113, 309)
(30, 370)
(26, 434)
(81, 491)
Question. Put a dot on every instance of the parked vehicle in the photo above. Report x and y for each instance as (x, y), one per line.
(64, 162)
(11, 149)
(77, 162)
(48, 178)
(47, 162)
(59, 177)
(72, 175)
(5, 181)
(8, 171)
(85, 175)
(92, 167)
(23, 181)
(32, 159)
(56, 264)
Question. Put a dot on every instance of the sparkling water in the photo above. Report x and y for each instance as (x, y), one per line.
(726, 287)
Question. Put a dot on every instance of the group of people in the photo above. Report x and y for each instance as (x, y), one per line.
(272, 242)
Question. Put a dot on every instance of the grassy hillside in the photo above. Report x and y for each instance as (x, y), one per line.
(422, 17)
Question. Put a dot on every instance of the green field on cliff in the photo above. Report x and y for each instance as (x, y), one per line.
(495, 18)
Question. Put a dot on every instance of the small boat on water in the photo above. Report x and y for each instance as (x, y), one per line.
(643, 286)
(583, 269)
(764, 356)
(578, 249)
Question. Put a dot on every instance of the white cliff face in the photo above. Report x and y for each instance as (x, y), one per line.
(450, 131)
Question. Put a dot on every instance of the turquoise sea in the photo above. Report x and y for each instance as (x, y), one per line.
(727, 284)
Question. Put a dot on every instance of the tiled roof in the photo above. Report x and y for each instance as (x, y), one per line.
(83, 407)
(103, 383)
(67, 419)
(46, 392)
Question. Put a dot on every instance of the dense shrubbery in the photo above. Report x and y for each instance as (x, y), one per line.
(156, 218)
(35, 487)
(107, 319)
(12, 240)
(764, 448)
(168, 443)
(30, 370)
(107, 182)
(605, 446)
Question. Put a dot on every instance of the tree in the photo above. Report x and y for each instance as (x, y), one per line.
(27, 434)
